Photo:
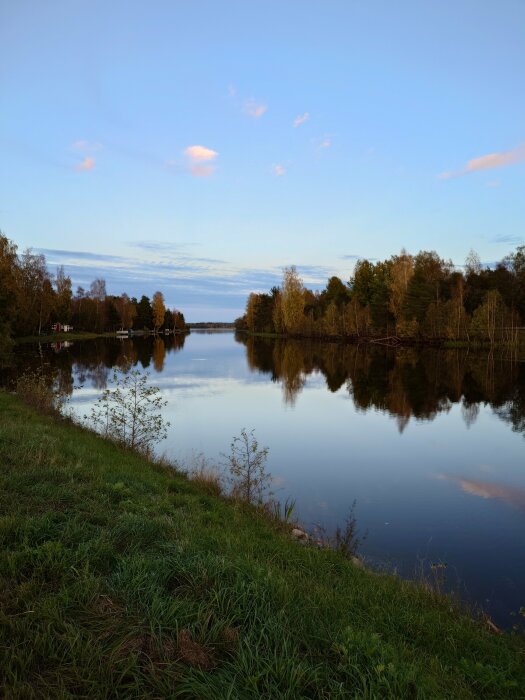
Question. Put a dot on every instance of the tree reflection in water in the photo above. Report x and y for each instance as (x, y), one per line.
(405, 382)
(89, 363)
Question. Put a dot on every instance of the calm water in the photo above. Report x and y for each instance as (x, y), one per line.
(429, 443)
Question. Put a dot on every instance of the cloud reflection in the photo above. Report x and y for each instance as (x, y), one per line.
(513, 496)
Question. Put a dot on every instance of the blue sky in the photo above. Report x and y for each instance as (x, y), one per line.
(198, 147)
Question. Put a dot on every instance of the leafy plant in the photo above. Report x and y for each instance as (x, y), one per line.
(130, 413)
(246, 464)
(346, 540)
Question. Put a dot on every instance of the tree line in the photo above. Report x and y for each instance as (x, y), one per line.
(411, 297)
(32, 299)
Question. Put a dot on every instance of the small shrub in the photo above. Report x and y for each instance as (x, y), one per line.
(346, 540)
(246, 464)
(130, 413)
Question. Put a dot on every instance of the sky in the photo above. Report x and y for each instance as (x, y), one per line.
(200, 147)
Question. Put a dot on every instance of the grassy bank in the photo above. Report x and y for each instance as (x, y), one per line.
(120, 578)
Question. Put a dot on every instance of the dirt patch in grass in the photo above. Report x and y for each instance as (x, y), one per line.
(194, 654)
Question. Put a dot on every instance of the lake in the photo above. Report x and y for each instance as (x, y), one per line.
(428, 443)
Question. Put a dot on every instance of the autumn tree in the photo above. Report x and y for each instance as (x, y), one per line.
(277, 312)
(9, 287)
(179, 322)
(126, 310)
(292, 300)
(332, 319)
(251, 307)
(488, 319)
(36, 292)
(158, 309)
(401, 272)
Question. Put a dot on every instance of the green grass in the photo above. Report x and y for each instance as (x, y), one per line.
(121, 579)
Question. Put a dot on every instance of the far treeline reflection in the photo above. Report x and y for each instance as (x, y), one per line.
(405, 382)
(91, 360)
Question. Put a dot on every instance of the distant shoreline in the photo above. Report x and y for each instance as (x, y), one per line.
(388, 341)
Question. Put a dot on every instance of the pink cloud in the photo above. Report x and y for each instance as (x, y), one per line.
(496, 160)
(326, 142)
(279, 170)
(254, 109)
(200, 160)
(487, 490)
(488, 162)
(200, 154)
(87, 164)
(301, 119)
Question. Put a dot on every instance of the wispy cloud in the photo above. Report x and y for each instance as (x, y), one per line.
(301, 119)
(86, 146)
(158, 246)
(200, 160)
(507, 238)
(87, 164)
(326, 142)
(279, 170)
(78, 255)
(314, 274)
(488, 162)
(232, 90)
(187, 281)
(353, 256)
(254, 109)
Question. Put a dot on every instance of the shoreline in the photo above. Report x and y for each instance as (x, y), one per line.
(389, 341)
(87, 335)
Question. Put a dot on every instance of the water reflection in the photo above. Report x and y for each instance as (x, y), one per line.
(512, 496)
(404, 382)
(89, 363)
